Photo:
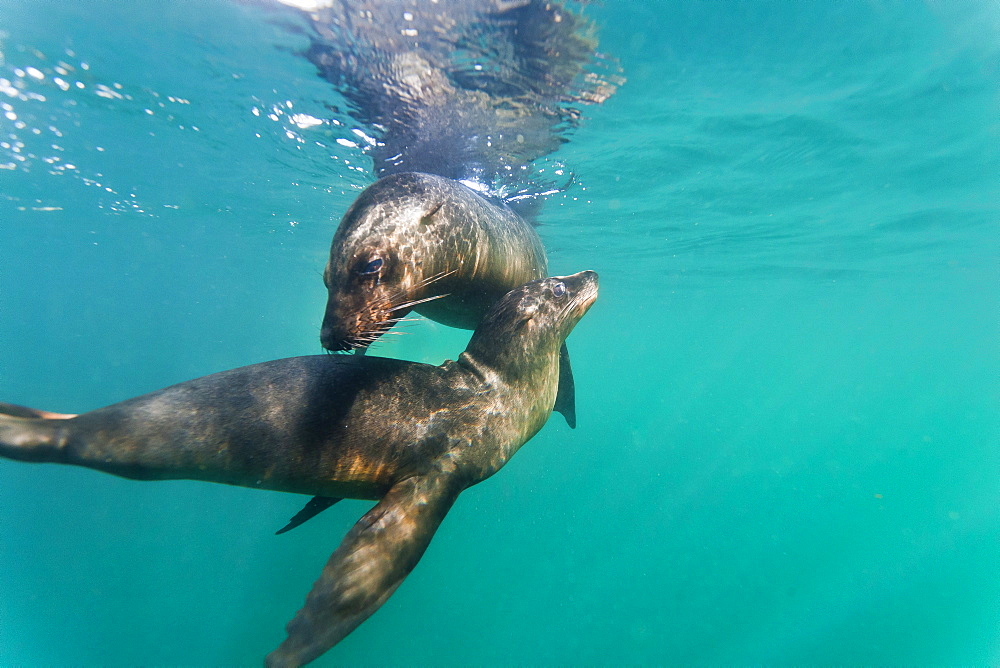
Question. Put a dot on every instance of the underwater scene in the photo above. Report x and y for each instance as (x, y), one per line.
(787, 394)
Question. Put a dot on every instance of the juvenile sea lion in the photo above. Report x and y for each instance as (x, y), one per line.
(412, 435)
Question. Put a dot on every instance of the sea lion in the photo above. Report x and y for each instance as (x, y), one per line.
(428, 243)
(412, 435)
(424, 242)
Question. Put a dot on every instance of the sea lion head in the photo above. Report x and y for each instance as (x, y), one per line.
(364, 296)
(529, 324)
(375, 273)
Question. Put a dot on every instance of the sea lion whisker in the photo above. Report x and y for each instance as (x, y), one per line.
(389, 322)
(431, 279)
(395, 331)
(427, 280)
(407, 292)
(413, 303)
(385, 326)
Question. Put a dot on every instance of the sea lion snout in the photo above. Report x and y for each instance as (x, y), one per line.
(585, 285)
(332, 339)
(356, 330)
(333, 333)
(358, 311)
(585, 282)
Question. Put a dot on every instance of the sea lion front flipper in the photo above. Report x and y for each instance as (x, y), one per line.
(314, 507)
(566, 395)
(371, 562)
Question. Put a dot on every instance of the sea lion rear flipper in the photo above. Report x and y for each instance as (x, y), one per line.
(371, 562)
(314, 507)
(25, 412)
(29, 439)
(566, 395)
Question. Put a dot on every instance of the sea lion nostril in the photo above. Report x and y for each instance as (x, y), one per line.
(331, 341)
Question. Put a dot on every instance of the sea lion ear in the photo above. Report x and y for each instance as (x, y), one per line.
(429, 214)
(527, 308)
(521, 322)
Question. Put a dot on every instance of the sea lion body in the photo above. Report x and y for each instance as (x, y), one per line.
(412, 237)
(331, 425)
(412, 435)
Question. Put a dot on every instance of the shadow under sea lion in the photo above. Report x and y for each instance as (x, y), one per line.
(412, 435)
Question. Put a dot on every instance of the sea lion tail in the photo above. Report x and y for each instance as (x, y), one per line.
(371, 562)
(30, 435)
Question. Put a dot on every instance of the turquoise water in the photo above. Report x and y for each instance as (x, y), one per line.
(788, 391)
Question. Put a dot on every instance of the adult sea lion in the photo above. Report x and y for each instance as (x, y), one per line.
(425, 242)
(412, 435)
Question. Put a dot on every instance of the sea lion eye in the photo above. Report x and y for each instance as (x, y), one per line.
(559, 289)
(371, 267)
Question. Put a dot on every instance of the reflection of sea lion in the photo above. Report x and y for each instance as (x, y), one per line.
(428, 243)
(412, 435)
(467, 89)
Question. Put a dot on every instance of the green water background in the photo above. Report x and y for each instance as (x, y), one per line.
(788, 391)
